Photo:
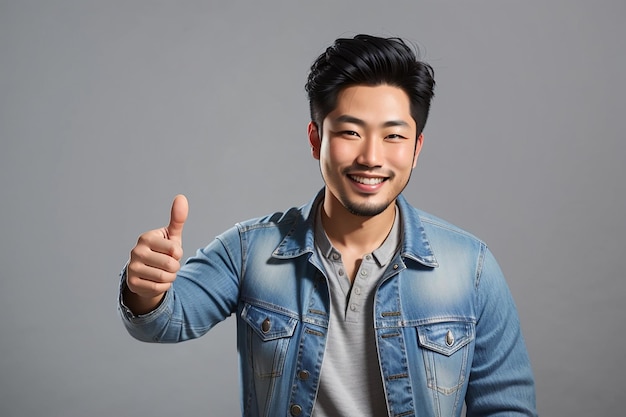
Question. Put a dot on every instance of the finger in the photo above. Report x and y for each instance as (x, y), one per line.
(178, 216)
(143, 272)
(155, 241)
(146, 288)
(157, 260)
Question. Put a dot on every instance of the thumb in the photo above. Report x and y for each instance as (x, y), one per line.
(178, 216)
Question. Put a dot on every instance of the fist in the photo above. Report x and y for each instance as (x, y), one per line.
(155, 259)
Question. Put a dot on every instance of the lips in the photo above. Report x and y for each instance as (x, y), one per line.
(367, 180)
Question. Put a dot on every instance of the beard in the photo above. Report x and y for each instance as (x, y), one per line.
(364, 209)
(369, 209)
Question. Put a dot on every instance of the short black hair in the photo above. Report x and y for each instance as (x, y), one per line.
(369, 60)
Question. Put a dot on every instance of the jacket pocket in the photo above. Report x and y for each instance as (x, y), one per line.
(446, 348)
(269, 333)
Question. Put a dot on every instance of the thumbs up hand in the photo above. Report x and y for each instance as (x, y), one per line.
(155, 260)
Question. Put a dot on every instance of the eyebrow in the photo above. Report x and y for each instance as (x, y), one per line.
(346, 118)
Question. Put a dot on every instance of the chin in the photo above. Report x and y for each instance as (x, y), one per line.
(365, 210)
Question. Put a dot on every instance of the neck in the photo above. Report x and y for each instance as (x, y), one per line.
(348, 231)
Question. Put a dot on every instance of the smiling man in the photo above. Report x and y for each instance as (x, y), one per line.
(356, 304)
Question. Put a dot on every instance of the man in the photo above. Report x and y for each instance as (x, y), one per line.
(356, 304)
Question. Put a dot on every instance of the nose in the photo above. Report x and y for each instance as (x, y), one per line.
(370, 154)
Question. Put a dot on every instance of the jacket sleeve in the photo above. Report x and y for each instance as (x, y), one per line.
(501, 380)
(205, 292)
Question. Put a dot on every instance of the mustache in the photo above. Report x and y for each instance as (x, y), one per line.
(364, 169)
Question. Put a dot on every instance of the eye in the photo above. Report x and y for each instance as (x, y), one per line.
(395, 136)
(349, 133)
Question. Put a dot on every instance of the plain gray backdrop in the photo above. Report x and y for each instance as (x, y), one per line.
(110, 108)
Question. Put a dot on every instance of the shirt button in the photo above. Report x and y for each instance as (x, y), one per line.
(368, 257)
(340, 272)
(295, 410)
(303, 375)
(353, 307)
(357, 290)
(335, 256)
(364, 273)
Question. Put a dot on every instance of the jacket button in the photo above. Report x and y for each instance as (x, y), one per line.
(266, 325)
(449, 338)
(303, 375)
(295, 410)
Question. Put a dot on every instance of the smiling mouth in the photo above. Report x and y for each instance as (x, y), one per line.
(367, 181)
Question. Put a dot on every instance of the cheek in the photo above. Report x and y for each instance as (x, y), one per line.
(401, 157)
(337, 152)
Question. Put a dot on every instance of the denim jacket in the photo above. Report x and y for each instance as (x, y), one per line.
(446, 326)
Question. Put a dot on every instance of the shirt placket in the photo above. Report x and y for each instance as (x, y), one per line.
(356, 300)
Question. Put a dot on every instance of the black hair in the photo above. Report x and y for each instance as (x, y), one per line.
(369, 60)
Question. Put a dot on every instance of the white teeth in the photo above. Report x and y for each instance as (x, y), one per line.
(367, 181)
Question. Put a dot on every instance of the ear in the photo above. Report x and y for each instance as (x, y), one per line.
(418, 148)
(314, 140)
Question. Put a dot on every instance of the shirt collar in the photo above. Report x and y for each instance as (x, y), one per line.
(382, 255)
(415, 245)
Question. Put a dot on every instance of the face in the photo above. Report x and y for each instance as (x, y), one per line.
(367, 149)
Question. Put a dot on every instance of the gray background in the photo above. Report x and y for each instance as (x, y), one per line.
(109, 109)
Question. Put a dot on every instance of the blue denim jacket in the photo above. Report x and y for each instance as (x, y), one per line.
(447, 330)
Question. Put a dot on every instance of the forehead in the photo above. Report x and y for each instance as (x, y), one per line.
(372, 104)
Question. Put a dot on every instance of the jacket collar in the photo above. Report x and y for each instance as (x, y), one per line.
(300, 238)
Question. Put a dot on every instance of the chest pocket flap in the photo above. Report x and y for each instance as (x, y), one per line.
(268, 324)
(446, 337)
